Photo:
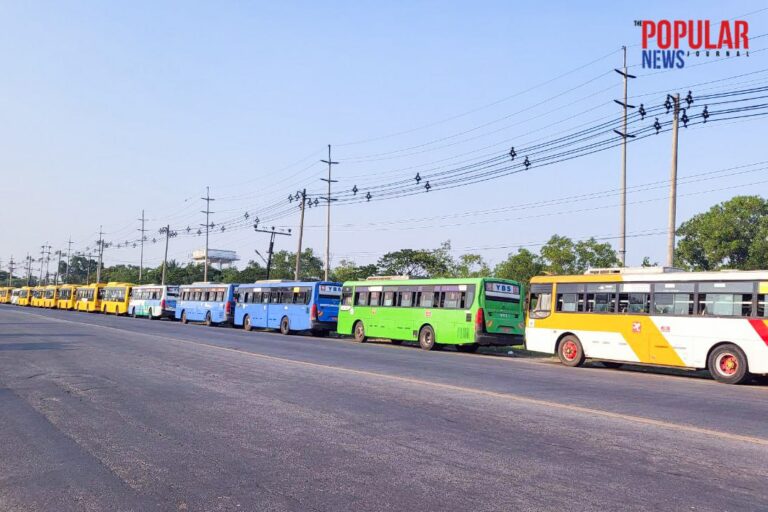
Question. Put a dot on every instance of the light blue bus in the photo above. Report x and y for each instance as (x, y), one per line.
(288, 306)
(209, 303)
(153, 301)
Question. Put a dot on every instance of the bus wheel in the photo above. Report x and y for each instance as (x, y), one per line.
(208, 321)
(285, 326)
(468, 347)
(184, 317)
(728, 364)
(247, 323)
(427, 338)
(570, 351)
(358, 331)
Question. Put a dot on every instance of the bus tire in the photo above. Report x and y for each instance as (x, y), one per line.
(728, 364)
(184, 317)
(358, 331)
(468, 347)
(247, 323)
(285, 326)
(570, 352)
(427, 338)
(208, 321)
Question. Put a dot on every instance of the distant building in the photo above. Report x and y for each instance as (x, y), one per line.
(220, 256)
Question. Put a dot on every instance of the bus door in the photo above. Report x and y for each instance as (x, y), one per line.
(275, 308)
(258, 310)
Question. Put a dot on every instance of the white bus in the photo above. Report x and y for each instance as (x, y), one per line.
(153, 301)
(664, 317)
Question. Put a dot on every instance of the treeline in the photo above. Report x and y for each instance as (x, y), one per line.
(732, 234)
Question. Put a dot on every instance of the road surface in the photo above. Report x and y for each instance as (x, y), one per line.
(103, 413)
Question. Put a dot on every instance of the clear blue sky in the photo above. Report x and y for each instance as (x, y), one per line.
(108, 108)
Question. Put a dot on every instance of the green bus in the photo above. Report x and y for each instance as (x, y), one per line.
(462, 312)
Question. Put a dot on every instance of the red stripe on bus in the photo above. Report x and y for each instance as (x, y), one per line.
(760, 328)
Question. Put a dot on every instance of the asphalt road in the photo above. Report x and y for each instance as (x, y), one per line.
(103, 413)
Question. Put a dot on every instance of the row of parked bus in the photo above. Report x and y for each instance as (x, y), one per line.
(655, 316)
(466, 313)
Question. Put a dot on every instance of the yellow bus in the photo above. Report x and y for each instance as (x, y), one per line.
(66, 298)
(50, 296)
(25, 296)
(116, 298)
(654, 316)
(38, 294)
(88, 297)
(5, 295)
(15, 296)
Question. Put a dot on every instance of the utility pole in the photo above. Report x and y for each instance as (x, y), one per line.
(207, 213)
(302, 206)
(100, 241)
(624, 135)
(166, 230)
(10, 272)
(58, 264)
(330, 163)
(29, 269)
(48, 265)
(69, 257)
(272, 233)
(45, 251)
(673, 185)
(88, 268)
(141, 257)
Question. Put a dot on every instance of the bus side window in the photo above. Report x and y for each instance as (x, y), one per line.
(762, 305)
(375, 298)
(361, 299)
(389, 299)
(540, 301)
(405, 299)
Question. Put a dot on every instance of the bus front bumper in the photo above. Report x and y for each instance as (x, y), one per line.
(486, 339)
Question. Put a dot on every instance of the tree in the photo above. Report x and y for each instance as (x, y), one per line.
(471, 265)
(561, 255)
(593, 254)
(414, 263)
(284, 265)
(349, 271)
(558, 255)
(520, 267)
(732, 234)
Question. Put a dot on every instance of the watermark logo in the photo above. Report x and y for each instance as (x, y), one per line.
(667, 44)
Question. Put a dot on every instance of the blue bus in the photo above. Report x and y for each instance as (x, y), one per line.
(210, 303)
(289, 306)
(153, 301)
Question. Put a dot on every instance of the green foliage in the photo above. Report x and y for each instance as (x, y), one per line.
(521, 266)
(418, 262)
(732, 234)
(349, 271)
(471, 265)
(284, 265)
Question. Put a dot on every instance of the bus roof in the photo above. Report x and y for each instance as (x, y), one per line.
(723, 275)
(428, 282)
(277, 284)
